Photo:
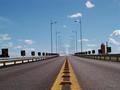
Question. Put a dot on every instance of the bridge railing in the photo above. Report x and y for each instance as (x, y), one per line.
(21, 60)
(107, 57)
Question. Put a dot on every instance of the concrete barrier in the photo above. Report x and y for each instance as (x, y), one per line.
(21, 60)
(107, 57)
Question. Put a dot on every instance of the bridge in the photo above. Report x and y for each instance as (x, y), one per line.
(59, 45)
(60, 73)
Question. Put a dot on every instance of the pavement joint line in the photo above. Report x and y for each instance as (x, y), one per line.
(69, 73)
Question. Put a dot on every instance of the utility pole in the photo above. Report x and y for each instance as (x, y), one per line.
(57, 41)
(76, 38)
(51, 26)
(80, 23)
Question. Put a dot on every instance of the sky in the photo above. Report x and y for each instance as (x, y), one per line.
(25, 24)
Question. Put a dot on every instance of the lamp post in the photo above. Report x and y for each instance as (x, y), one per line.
(80, 23)
(51, 26)
(57, 40)
(73, 44)
(59, 44)
(76, 38)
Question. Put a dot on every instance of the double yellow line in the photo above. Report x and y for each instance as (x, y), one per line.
(72, 82)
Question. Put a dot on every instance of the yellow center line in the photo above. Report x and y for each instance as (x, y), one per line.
(74, 82)
(56, 85)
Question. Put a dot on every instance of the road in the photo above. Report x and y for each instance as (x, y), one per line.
(95, 74)
(91, 74)
(32, 76)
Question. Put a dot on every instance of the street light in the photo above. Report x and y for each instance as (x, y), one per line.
(80, 22)
(57, 39)
(73, 45)
(51, 24)
(76, 38)
(60, 44)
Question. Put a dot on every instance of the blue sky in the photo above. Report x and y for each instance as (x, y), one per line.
(25, 24)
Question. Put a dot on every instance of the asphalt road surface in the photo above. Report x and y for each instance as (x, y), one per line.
(32, 76)
(95, 74)
(91, 74)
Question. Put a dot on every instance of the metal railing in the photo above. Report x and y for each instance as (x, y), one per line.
(21, 60)
(107, 57)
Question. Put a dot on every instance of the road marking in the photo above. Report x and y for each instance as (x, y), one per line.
(56, 85)
(75, 84)
(67, 77)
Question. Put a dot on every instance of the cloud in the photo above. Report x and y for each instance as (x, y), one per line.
(115, 33)
(91, 45)
(89, 4)
(84, 40)
(8, 45)
(4, 37)
(32, 49)
(76, 15)
(18, 47)
(28, 50)
(88, 49)
(28, 42)
(113, 41)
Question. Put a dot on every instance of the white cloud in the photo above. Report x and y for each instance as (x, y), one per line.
(18, 47)
(4, 37)
(84, 40)
(29, 42)
(28, 50)
(8, 45)
(115, 33)
(32, 49)
(91, 45)
(76, 15)
(89, 4)
(113, 41)
(88, 49)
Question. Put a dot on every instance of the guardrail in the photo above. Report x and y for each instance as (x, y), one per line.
(107, 57)
(21, 60)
